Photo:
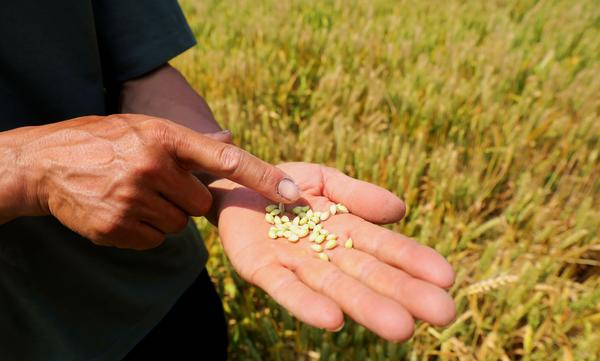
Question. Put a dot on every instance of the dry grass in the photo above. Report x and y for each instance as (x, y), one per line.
(483, 115)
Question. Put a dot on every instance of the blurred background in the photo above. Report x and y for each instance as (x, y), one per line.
(484, 116)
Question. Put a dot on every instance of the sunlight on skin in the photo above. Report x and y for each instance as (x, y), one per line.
(384, 283)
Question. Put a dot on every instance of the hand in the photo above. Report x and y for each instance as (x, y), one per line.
(126, 180)
(383, 283)
(165, 93)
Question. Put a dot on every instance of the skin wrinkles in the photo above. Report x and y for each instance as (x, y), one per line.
(115, 204)
(385, 283)
(106, 177)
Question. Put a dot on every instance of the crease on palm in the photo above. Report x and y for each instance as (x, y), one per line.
(252, 254)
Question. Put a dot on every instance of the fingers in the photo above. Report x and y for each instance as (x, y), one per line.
(195, 151)
(307, 305)
(136, 235)
(364, 199)
(163, 215)
(256, 262)
(222, 136)
(144, 237)
(395, 249)
(422, 299)
(185, 191)
(379, 313)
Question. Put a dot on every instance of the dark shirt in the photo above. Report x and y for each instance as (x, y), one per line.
(62, 297)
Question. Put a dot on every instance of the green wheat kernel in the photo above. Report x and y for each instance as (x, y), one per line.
(272, 233)
(316, 247)
(342, 208)
(331, 244)
(348, 243)
(269, 218)
(323, 256)
(332, 209)
(319, 238)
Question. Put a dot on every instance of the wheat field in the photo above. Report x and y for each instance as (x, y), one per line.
(484, 116)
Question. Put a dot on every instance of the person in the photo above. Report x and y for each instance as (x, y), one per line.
(105, 153)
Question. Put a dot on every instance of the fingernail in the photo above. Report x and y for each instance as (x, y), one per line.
(221, 136)
(220, 133)
(288, 189)
(339, 328)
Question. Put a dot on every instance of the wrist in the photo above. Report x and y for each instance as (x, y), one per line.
(20, 180)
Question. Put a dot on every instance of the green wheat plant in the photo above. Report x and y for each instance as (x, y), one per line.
(484, 116)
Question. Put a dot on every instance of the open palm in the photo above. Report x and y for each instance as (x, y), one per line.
(384, 283)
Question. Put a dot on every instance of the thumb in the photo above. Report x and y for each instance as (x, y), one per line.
(366, 200)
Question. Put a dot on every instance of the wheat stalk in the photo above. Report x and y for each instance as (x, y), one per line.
(490, 284)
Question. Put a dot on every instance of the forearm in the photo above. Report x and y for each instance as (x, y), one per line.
(165, 93)
(17, 194)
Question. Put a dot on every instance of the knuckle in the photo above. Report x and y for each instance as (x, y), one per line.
(128, 196)
(110, 226)
(268, 175)
(202, 206)
(160, 128)
(331, 278)
(158, 123)
(132, 121)
(180, 222)
(150, 165)
(230, 158)
(154, 241)
(146, 242)
(398, 288)
(374, 247)
(99, 241)
(403, 250)
(118, 118)
(369, 268)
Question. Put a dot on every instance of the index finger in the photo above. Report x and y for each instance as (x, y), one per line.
(195, 151)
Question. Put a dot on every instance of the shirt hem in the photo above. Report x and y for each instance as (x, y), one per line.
(122, 347)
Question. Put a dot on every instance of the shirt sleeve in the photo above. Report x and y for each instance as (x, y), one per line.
(137, 36)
